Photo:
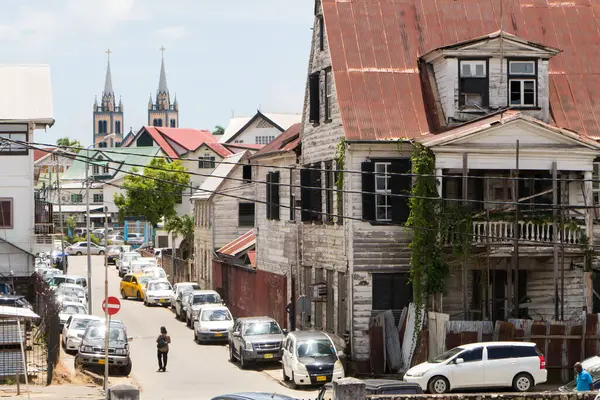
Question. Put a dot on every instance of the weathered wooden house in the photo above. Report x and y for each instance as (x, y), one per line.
(469, 79)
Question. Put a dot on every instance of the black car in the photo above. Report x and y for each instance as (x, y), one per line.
(376, 386)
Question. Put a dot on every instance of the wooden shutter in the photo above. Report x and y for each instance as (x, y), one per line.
(268, 197)
(305, 194)
(401, 184)
(275, 195)
(316, 192)
(368, 187)
(314, 98)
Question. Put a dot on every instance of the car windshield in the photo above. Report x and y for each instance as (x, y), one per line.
(71, 290)
(68, 297)
(80, 323)
(156, 272)
(206, 299)
(115, 334)
(262, 328)
(143, 279)
(187, 288)
(130, 257)
(57, 280)
(216, 315)
(159, 286)
(315, 348)
(73, 309)
(447, 355)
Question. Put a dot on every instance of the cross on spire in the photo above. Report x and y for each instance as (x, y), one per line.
(162, 50)
(108, 52)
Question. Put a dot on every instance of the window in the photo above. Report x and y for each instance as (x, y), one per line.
(238, 141)
(499, 352)
(173, 123)
(9, 147)
(6, 213)
(315, 107)
(522, 83)
(473, 84)
(472, 355)
(159, 122)
(328, 94)
(525, 351)
(98, 198)
(383, 201)
(392, 177)
(207, 161)
(118, 127)
(76, 198)
(96, 168)
(272, 198)
(321, 33)
(247, 173)
(246, 214)
(391, 291)
(310, 193)
(329, 188)
(263, 139)
(100, 127)
(105, 169)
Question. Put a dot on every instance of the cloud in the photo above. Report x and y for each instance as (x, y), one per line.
(173, 32)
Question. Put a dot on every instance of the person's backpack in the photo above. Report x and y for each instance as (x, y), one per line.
(162, 343)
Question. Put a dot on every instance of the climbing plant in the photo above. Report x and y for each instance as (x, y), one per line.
(340, 160)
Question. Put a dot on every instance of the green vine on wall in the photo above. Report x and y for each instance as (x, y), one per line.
(340, 160)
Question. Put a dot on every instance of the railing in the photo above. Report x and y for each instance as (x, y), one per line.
(503, 232)
(44, 229)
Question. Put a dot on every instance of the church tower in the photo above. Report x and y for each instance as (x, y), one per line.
(108, 116)
(163, 112)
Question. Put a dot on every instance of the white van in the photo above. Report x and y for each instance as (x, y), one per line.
(519, 365)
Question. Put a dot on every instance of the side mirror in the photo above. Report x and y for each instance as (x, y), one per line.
(459, 361)
(285, 331)
(236, 334)
(130, 339)
(340, 354)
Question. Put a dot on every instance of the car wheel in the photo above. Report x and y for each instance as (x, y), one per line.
(243, 362)
(126, 370)
(293, 382)
(522, 383)
(438, 385)
(138, 296)
(101, 253)
(123, 294)
(145, 303)
(285, 377)
(78, 253)
(231, 356)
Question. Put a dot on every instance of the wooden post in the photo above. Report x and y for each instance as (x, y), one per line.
(465, 193)
(588, 198)
(555, 235)
(487, 309)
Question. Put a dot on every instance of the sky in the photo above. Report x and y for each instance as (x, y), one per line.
(223, 57)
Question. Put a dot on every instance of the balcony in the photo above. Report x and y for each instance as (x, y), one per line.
(503, 233)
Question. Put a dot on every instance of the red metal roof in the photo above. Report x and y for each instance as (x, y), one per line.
(252, 258)
(239, 244)
(236, 147)
(375, 46)
(288, 140)
(160, 141)
(39, 153)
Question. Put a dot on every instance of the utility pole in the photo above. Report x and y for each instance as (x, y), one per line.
(106, 306)
(87, 232)
(62, 228)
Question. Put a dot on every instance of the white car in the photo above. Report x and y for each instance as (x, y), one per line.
(157, 292)
(124, 262)
(80, 248)
(519, 365)
(137, 265)
(69, 308)
(156, 272)
(195, 300)
(310, 358)
(75, 289)
(59, 280)
(213, 324)
(74, 329)
(182, 287)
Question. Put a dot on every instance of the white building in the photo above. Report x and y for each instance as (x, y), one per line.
(259, 129)
(25, 106)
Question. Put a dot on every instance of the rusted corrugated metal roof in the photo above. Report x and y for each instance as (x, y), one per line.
(238, 245)
(375, 46)
(287, 141)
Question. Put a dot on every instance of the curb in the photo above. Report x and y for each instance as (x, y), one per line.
(98, 380)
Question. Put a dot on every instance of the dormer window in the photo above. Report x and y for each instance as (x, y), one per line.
(473, 84)
(522, 83)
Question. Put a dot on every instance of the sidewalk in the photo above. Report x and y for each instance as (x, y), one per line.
(53, 392)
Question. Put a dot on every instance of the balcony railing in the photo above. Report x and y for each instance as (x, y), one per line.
(503, 232)
(44, 229)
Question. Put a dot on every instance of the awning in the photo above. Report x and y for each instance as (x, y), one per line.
(7, 312)
(74, 209)
(98, 215)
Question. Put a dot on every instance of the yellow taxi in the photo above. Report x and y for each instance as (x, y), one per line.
(132, 285)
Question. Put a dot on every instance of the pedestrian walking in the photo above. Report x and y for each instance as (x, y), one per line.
(162, 349)
(584, 380)
(290, 309)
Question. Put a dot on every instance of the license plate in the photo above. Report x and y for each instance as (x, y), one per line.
(163, 300)
(321, 378)
(102, 361)
(268, 355)
(218, 334)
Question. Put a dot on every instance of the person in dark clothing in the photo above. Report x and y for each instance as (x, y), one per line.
(162, 346)
(292, 315)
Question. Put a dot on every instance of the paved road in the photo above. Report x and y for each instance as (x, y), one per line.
(194, 371)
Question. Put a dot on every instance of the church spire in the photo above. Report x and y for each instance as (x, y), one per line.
(108, 88)
(162, 82)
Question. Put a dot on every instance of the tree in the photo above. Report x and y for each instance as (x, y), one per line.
(72, 145)
(154, 194)
(182, 226)
(219, 130)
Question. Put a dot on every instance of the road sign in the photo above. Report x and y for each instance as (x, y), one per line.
(114, 305)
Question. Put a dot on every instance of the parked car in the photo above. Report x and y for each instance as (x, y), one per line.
(157, 292)
(51, 273)
(132, 285)
(124, 262)
(591, 365)
(91, 351)
(113, 253)
(115, 240)
(519, 365)
(58, 280)
(196, 300)
(14, 301)
(100, 231)
(255, 339)
(137, 265)
(376, 386)
(80, 248)
(156, 272)
(253, 396)
(181, 303)
(310, 358)
(74, 289)
(6, 288)
(135, 239)
(69, 308)
(80, 232)
(181, 287)
(74, 329)
(213, 324)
